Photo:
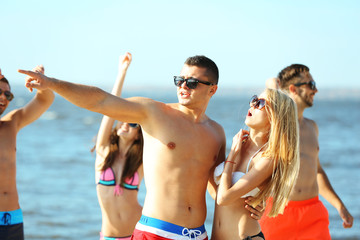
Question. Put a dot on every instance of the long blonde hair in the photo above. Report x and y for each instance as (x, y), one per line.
(283, 148)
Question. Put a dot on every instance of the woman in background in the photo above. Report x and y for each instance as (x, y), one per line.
(118, 170)
(262, 163)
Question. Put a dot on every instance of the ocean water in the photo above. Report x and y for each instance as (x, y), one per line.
(55, 169)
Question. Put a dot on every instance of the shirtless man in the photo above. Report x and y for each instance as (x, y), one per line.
(305, 217)
(181, 145)
(11, 221)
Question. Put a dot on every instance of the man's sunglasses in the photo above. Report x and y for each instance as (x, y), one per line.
(9, 96)
(133, 125)
(191, 83)
(258, 103)
(311, 83)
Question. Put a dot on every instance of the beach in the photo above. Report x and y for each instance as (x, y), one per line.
(55, 168)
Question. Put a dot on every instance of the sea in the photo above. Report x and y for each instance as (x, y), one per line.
(55, 168)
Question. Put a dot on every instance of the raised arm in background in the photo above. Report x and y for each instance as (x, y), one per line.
(35, 108)
(103, 137)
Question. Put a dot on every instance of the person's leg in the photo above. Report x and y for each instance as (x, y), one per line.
(281, 227)
(315, 222)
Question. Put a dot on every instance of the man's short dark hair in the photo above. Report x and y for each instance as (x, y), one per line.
(291, 75)
(5, 81)
(205, 62)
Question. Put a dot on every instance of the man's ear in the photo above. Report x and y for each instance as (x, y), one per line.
(292, 89)
(213, 89)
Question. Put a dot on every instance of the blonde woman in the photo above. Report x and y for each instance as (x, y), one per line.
(263, 162)
(118, 169)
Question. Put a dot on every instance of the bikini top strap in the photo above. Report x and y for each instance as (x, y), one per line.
(248, 165)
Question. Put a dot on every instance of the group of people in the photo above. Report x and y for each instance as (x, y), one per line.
(181, 154)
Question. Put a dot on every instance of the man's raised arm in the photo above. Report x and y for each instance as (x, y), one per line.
(37, 106)
(90, 98)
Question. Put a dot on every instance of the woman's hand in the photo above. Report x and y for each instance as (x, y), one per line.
(124, 61)
(238, 140)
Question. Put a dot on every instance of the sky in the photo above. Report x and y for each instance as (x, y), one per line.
(250, 41)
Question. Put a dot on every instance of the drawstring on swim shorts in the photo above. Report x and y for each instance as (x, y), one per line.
(6, 219)
(190, 233)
